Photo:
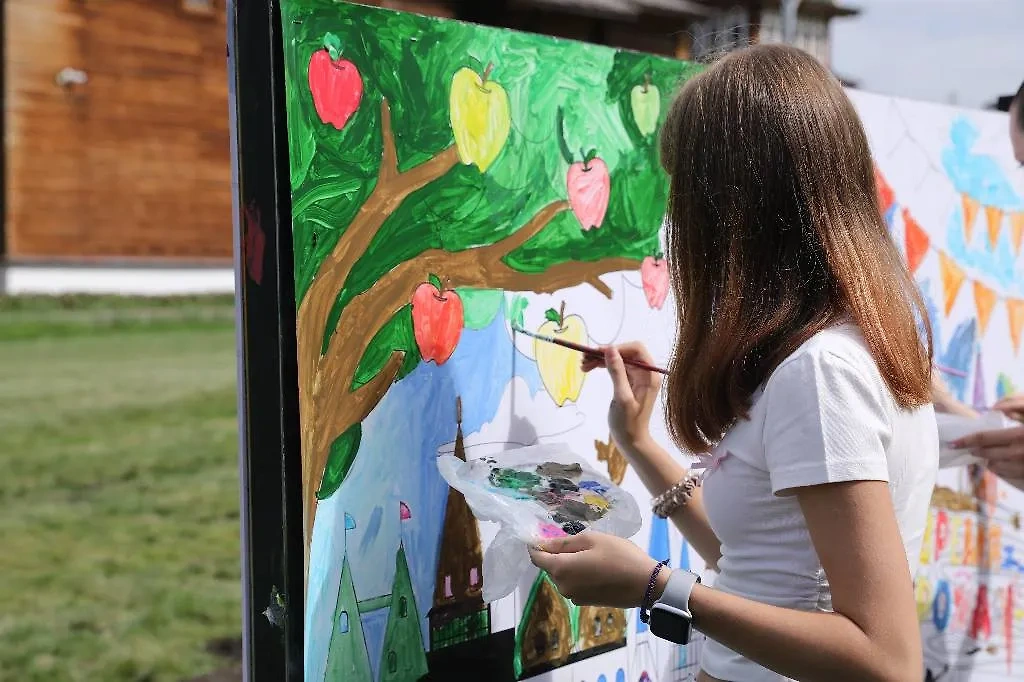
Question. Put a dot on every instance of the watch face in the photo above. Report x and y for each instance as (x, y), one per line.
(674, 627)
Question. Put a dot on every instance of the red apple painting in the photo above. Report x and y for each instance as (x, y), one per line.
(436, 320)
(587, 183)
(654, 277)
(335, 84)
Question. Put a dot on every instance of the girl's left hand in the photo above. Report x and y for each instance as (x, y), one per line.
(596, 569)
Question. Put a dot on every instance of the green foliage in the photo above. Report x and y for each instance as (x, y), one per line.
(628, 70)
(339, 461)
(479, 306)
(393, 336)
(517, 310)
(410, 60)
(562, 95)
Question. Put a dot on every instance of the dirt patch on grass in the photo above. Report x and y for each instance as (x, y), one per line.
(230, 650)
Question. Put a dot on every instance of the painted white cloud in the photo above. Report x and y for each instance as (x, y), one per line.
(521, 420)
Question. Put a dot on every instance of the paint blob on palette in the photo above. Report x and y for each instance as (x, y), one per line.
(569, 501)
(536, 493)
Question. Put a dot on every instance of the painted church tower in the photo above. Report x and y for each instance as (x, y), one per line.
(459, 613)
(403, 657)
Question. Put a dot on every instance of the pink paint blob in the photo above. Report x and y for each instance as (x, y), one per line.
(550, 530)
(654, 276)
(588, 190)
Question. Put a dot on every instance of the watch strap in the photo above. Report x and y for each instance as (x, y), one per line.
(678, 588)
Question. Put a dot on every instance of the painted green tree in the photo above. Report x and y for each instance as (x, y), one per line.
(403, 657)
(465, 158)
(348, 658)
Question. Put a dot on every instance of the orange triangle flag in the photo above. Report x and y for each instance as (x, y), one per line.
(886, 197)
(1015, 308)
(952, 280)
(994, 218)
(985, 300)
(970, 213)
(1017, 228)
(916, 241)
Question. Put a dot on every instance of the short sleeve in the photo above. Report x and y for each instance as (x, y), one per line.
(826, 421)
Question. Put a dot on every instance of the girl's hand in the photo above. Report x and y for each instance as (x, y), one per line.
(634, 396)
(596, 569)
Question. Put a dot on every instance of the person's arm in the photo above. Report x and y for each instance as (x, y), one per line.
(873, 632)
(635, 395)
(871, 635)
(659, 471)
(944, 401)
(827, 423)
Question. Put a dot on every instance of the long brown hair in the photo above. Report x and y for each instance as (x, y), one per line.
(774, 233)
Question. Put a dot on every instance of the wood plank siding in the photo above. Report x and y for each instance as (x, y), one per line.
(134, 163)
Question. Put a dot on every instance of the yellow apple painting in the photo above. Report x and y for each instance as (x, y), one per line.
(480, 117)
(559, 366)
(448, 183)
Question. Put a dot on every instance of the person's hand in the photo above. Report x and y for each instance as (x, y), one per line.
(1002, 450)
(634, 396)
(596, 569)
(1012, 406)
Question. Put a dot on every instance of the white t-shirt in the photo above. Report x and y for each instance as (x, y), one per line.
(825, 415)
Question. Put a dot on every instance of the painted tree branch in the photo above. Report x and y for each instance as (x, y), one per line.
(482, 267)
(392, 187)
(329, 404)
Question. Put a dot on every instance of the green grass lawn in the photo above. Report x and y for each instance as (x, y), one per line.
(118, 488)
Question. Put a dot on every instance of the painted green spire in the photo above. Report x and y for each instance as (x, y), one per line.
(347, 658)
(403, 657)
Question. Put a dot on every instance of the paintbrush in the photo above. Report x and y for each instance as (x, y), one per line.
(588, 351)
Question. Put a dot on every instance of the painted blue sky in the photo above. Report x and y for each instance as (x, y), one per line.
(397, 462)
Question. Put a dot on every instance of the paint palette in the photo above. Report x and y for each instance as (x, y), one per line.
(535, 493)
(542, 491)
(571, 500)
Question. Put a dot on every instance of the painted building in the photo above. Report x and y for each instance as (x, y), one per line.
(459, 614)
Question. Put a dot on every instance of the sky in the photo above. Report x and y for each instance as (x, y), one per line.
(965, 52)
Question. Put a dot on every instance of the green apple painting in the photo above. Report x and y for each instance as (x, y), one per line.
(438, 169)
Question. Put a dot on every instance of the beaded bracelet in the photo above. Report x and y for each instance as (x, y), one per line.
(676, 497)
(647, 603)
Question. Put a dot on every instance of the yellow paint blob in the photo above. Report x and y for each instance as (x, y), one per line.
(480, 118)
(559, 367)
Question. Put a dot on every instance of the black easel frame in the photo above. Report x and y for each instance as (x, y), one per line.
(268, 409)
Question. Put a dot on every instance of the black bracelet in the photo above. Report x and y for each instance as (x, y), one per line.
(647, 603)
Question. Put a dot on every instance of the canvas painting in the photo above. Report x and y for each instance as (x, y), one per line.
(450, 182)
(954, 201)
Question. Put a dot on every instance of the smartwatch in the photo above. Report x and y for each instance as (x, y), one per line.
(670, 616)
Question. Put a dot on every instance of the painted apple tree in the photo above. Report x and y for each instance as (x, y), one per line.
(434, 165)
